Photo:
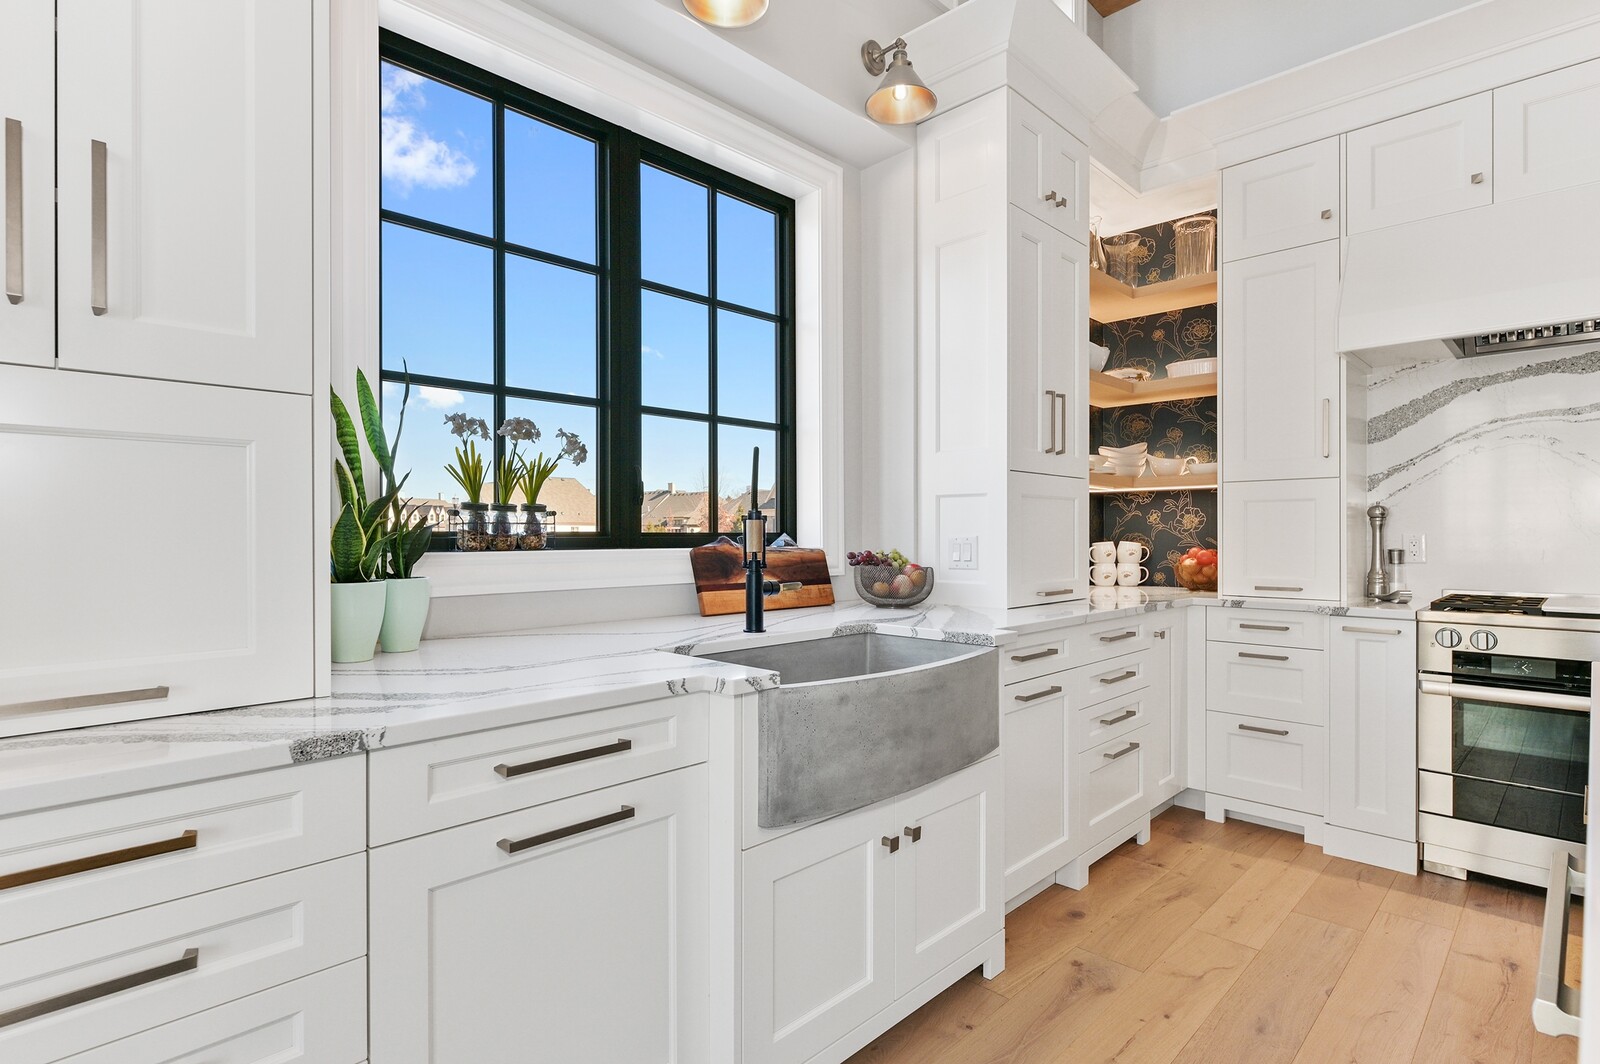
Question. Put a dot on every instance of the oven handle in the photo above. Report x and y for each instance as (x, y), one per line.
(1555, 1004)
(1575, 703)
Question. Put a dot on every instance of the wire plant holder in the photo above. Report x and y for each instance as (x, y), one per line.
(500, 528)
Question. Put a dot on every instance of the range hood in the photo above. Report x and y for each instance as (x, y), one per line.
(1522, 273)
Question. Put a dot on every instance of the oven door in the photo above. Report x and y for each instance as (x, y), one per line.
(1516, 759)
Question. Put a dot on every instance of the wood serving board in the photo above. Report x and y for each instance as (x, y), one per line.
(719, 577)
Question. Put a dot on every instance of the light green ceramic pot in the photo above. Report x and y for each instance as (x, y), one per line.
(357, 615)
(404, 613)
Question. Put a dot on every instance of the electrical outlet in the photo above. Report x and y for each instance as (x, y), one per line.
(1416, 548)
(963, 552)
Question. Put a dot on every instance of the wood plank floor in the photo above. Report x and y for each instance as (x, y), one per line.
(1237, 944)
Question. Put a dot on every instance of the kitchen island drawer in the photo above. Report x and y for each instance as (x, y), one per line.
(1111, 678)
(1308, 631)
(1033, 656)
(429, 786)
(76, 863)
(72, 990)
(1282, 683)
(1273, 762)
(1096, 725)
(1093, 643)
(1114, 785)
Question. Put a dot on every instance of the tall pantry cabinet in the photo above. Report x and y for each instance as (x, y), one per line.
(156, 357)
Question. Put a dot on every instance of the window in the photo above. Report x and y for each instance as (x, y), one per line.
(538, 262)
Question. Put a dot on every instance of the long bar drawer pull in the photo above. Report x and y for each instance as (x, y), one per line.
(1504, 695)
(1265, 627)
(1277, 587)
(1127, 714)
(1118, 638)
(1053, 594)
(621, 746)
(187, 841)
(1052, 652)
(1124, 752)
(1046, 693)
(1130, 674)
(1371, 631)
(97, 227)
(1263, 657)
(187, 963)
(1555, 1004)
(110, 698)
(518, 845)
(13, 210)
(1264, 731)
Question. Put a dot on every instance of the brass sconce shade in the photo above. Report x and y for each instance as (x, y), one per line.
(728, 14)
(901, 98)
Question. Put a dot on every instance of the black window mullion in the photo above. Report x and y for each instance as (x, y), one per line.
(499, 179)
(714, 488)
(625, 494)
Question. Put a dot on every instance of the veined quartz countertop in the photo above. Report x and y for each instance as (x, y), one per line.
(454, 686)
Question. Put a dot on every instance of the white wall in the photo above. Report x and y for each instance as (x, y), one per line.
(1183, 51)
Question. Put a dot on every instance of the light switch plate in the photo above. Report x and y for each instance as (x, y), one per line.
(962, 553)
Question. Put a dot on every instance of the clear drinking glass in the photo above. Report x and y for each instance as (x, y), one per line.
(1195, 240)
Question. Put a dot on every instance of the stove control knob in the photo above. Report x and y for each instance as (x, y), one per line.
(1482, 640)
(1448, 638)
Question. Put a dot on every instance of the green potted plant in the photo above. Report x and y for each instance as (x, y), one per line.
(507, 476)
(468, 471)
(534, 473)
(359, 542)
(405, 605)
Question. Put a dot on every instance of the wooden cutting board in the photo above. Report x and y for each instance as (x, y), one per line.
(719, 577)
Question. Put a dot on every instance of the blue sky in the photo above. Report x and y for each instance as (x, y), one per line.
(438, 314)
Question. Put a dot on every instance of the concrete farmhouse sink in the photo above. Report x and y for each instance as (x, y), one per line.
(864, 717)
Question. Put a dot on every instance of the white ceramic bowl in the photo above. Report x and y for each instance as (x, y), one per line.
(1099, 464)
(1099, 355)
(1193, 367)
(1165, 467)
(1203, 468)
(1136, 450)
(1127, 468)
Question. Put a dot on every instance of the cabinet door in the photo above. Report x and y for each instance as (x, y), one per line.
(1422, 165)
(1278, 683)
(27, 184)
(819, 934)
(1282, 539)
(1047, 294)
(1268, 761)
(197, 212)
(1163, 701)
(950, 881)
(1281, 400)
(1048, 170)
(1281, 201)
(1038, 816)
(1535, 149)
(1114, 779)
(169, 546)
(590, 945)
(1048, 517)
(1372, 728)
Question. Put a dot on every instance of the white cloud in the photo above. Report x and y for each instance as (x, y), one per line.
(646, 349)
(411, 157)
(440, 398)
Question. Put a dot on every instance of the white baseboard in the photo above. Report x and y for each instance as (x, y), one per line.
(1397, 854)
(1220, 807)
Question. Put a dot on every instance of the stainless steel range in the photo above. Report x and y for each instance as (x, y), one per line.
(1504, 691)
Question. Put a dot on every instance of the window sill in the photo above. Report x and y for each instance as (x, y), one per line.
(518, 572)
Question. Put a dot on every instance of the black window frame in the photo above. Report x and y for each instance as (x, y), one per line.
(619, 488)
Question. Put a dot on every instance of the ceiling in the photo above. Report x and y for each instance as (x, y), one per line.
(1110, 7)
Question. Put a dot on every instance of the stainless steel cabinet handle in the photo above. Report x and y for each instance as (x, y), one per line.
(1371, 631)
(1264, 731)
(78, 865)
(518, 845)
(1118, 638)
(621, 746)
(1061, 397)
(1574, 703)
(1277, 587)
(1159, 633)
(13, 210)
(97, 226)
(1046, 693)
(1264, 657)
(110, 698)
(1053, 594)
(1327, 214)
(187, 963)
(1477, 179)
(1327, 428)
(892, 843)
(1555, 1004)
(1052, 652)
(1128, 714)
(914, 833)
(1051, 392)
(1130, 674)
(1051, 197)
(1124, 752)
(1264, 627)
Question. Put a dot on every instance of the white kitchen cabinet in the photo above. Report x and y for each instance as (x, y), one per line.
(1281, 381)
(1164, 744)
(1113, 779)
(1540, 125)
(1048, 169)
(27, 194)
(1421, 165)
(183, 580)
(1271, 762)
(1046, 518)
(1049, 287)
(1279, 683)
(1283, 539)
(1281, 201)
(1034, 729)
(1372, 727)
(184, 156)
(575, 931)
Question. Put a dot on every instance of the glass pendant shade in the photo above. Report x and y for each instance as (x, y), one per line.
(728, 14)
(902, 98)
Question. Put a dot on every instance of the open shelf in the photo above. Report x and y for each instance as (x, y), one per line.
(1110, 482)
(1106, 391)
(1110, 300)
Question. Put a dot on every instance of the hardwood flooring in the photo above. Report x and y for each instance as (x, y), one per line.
(1237, 944)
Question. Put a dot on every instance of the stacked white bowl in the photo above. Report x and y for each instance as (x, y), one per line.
(1126, 461)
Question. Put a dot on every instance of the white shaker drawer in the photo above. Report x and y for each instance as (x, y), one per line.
(1279, 683)
(1269, 761)
(75, 989)
(321, 1019)
(1112, 678)
(1094, 643)
(1309, 631)
(428, 786)
(76, 863)
(1032, 656)
(1110, 720)
(1114, 785)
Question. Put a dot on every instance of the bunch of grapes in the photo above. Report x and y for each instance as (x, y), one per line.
(891, 558)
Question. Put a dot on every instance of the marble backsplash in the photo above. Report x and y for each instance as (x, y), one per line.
(1497, 461)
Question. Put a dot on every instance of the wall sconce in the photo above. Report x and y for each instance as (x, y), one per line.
(902, 98)
(726, 14)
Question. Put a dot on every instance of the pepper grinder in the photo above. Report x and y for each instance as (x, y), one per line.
(1377, 579)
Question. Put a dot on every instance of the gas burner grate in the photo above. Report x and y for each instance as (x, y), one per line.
(1463, 603)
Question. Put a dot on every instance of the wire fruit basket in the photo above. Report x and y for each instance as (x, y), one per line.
(891, 587)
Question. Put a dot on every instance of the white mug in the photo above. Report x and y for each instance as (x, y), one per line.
(1102, 551)
(1130, 575)
(1131, 550)
(1103, 575)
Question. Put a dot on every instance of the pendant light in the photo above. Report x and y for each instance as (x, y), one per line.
(726, 14)
(901, 98)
